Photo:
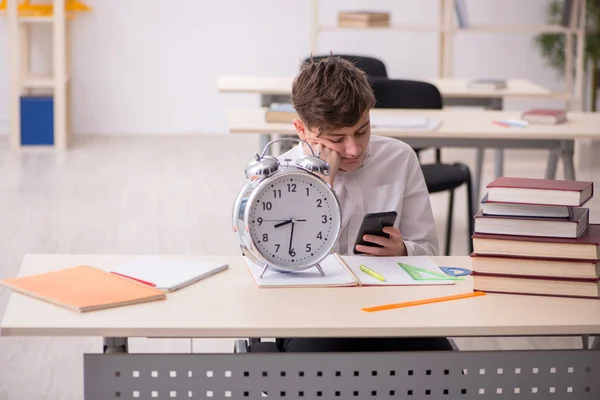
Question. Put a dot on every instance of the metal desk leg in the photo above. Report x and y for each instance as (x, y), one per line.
(595, 343)
(115, 345)
(478, 176)
(568, 148)
(552, 163)
(498, 104)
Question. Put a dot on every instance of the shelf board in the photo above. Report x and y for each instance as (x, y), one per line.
(470, 29)
(36, 20)
(516, 28)
(408, 28)
(39, 82)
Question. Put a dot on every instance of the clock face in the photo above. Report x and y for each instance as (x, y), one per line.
(294, 220)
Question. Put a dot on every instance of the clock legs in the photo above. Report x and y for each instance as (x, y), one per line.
(266, 267)
(320, 269)
(264, 270)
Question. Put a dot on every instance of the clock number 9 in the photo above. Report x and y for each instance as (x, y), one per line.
(260, 221)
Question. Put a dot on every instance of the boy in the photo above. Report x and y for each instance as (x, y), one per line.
(369, 174)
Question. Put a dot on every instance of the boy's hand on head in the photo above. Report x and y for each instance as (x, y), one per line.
(331, 156)
(392, 246)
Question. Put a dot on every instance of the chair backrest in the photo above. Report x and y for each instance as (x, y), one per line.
(372, 66)
(402, 93)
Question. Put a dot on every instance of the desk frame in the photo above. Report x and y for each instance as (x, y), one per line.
(455, 375)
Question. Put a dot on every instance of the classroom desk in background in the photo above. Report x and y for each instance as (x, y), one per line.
(459, 128)
(229, 305)
(455, 91)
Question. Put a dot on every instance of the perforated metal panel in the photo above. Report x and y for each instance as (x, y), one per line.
(553, 374)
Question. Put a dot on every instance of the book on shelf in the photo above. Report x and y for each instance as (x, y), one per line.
(585, 247)
(345, 271)
(462, 16)
(363, 19)
(524, 210)
(545, 116)
(545, 286)
(541, 267)
(84, 288)
(280, 112)
(487, 83)
(540, 191)
(571, 227)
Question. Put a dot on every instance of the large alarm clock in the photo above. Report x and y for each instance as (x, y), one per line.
(286, 216)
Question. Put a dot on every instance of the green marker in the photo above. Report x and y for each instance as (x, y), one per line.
(372, 273)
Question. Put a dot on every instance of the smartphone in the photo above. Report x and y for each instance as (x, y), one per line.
(373, 224)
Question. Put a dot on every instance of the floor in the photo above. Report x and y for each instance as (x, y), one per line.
(167, 195)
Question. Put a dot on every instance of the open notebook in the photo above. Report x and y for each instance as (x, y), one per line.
(83, 289)
(341, 271)
(168, 274)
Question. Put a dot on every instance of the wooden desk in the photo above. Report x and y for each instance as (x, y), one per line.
(459, 128)
(449, 87)
(229, 305)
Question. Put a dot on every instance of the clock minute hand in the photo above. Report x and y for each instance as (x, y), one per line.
(291, 238)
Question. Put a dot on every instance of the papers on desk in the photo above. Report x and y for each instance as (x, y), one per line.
(408, 122)
(345, 271)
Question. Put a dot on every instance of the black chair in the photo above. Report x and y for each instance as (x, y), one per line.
(373, 67)
(439, 177)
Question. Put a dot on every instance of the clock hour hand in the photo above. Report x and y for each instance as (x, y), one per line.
(289, 221)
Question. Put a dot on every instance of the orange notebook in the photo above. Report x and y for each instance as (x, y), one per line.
(84, 288)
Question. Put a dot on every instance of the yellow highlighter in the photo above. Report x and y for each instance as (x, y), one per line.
(372, 273)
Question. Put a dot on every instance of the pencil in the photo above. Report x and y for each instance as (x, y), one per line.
(424, 301)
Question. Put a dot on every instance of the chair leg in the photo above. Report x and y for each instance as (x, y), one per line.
(471, 215)
(438, 155)
(449, 223)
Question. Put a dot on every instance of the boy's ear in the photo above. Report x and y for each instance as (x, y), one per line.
(300, 128)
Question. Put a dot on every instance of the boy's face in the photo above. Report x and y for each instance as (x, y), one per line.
(349, 142)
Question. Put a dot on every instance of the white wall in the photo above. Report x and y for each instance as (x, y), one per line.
(140, 66)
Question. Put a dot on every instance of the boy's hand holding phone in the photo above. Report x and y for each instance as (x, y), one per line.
(378, 236)
(392, 246)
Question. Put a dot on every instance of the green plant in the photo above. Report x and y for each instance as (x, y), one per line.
(552, 45)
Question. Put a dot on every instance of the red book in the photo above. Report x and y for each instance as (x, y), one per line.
(545, 115)
(540, 191)
(585, 247)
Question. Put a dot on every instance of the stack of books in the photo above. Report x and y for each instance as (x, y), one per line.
(533, 236)
(363, 19)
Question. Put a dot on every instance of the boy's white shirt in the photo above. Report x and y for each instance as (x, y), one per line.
(390, 179)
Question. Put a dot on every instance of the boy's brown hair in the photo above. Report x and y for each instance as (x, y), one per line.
(331, 93)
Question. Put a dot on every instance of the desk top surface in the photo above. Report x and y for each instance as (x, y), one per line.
(230, 304)
(456, 123)
(449, 87)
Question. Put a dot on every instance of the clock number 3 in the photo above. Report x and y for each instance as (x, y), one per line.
(324, 220)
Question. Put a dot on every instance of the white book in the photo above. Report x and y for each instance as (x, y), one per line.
(168, 274)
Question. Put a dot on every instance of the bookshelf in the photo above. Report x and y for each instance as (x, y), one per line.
(25, 86)
(447, 29)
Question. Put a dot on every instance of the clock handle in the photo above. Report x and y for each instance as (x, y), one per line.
(287, 139)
